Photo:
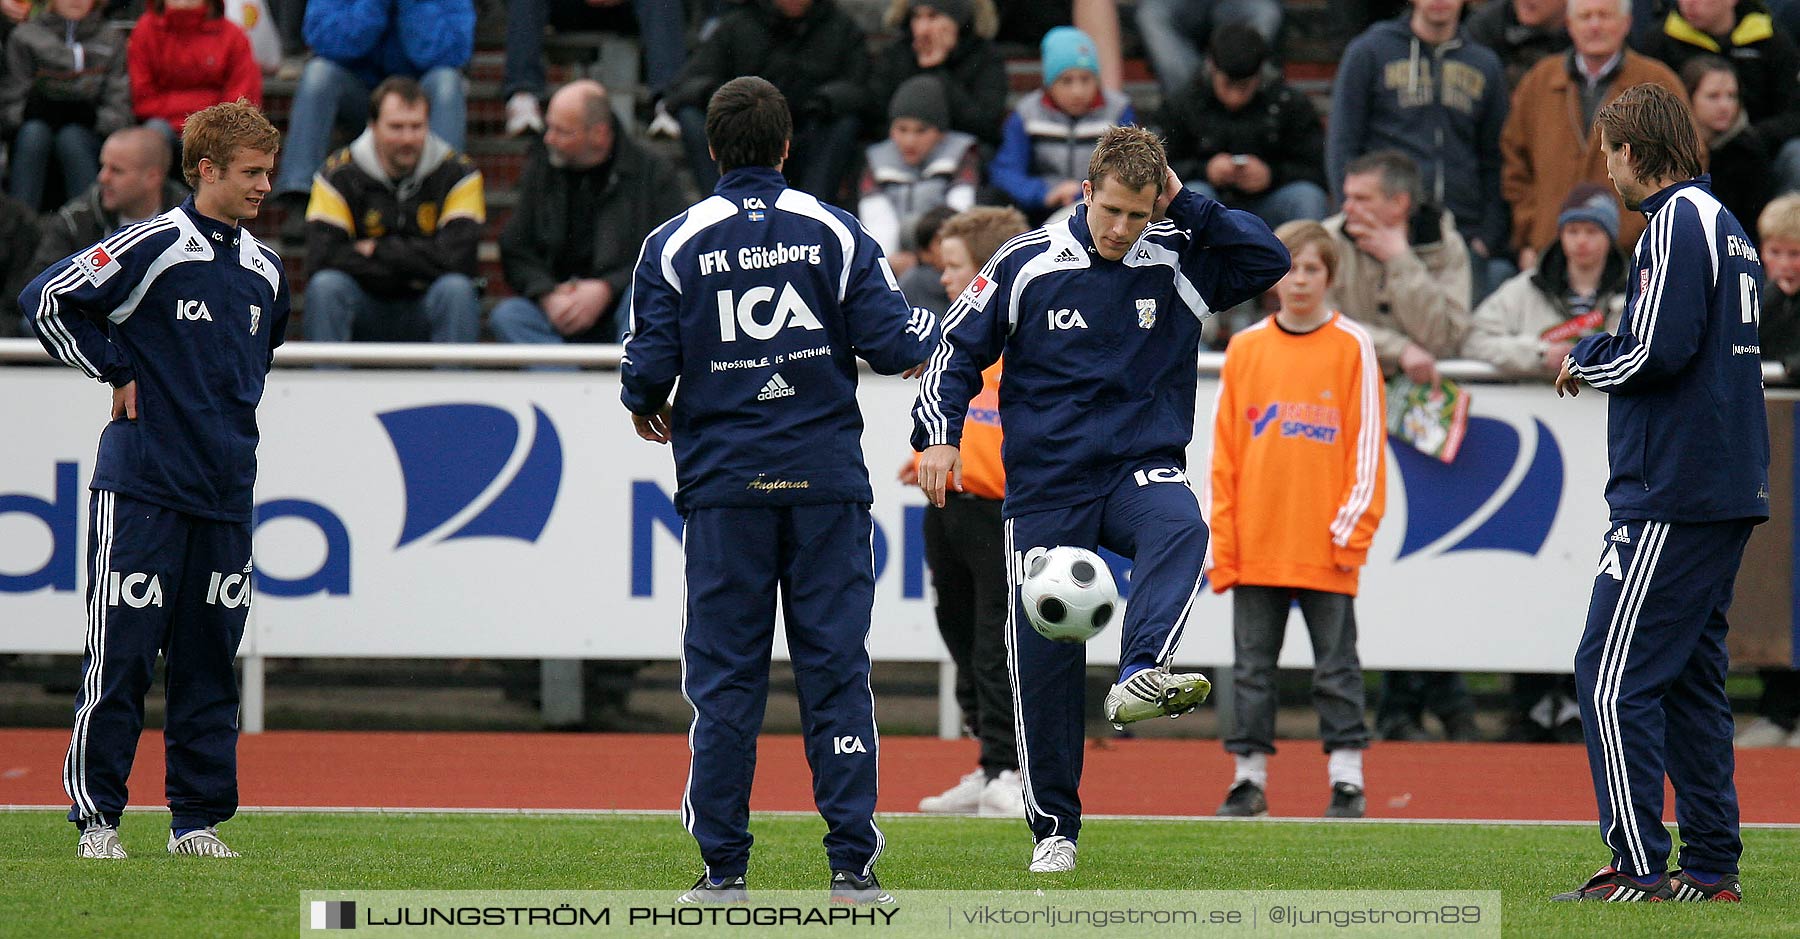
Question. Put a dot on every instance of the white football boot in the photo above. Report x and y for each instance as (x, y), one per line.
(100, 842)
(1154, 692)
(1053, 855)
(201, 842)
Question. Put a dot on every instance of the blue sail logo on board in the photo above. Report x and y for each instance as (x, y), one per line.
(1501, 494)
(469, 472)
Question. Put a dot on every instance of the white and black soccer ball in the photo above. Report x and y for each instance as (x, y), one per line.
(1069, 594)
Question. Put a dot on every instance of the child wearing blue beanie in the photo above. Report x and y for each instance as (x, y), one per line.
(1051, 133)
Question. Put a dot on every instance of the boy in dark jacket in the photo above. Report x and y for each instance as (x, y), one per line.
(816, 54)
(1244, 137)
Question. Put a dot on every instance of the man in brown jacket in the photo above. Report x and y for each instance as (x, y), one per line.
(1548, 144)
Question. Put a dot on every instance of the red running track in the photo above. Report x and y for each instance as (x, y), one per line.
(647, 772)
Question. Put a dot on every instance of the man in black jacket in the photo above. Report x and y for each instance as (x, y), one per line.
(819, 59)
(1244, 137)
(938, 38)
(393, 229)
(569, 249)
(133, 185)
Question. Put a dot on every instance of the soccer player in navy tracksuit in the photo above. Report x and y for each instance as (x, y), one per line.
(181, 315)
(1688, 448)
(758, 300)
(1099, 318)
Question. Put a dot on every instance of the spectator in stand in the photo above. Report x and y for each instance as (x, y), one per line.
(569, 249)
(919, 167)
(1549, 144)
(1175, 31)
(1243, 137)
(1417, 85)
(1051, 134)
(1026, 21)
(1521, 33)
(356, 44)
(945, 38)
(1403, 273)
(184, 56)
(1779, 328)
(392, 231)
(1737, 156)
(134, 185)
(923, 284)
(1527, 327)
(1765, 59)
(818, 58)
(660, 25)
(64, 88)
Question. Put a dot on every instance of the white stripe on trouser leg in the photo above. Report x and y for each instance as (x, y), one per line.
(1608, 688)
(874, 731)
(1012, 675)
(92, 683)
(1614, 653)
(1173, 641)
(687, 789)
(1610, 752)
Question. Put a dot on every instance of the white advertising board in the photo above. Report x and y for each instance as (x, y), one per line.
(500, 514)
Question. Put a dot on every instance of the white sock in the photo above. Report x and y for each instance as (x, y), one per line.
(1345, 766)
(1253, 767)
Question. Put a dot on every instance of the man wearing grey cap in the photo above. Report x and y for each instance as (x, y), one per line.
(1528, 326)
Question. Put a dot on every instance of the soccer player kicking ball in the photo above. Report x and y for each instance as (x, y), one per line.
(181, 315)
(1687, 444)
(1099, 318)
(759, 299)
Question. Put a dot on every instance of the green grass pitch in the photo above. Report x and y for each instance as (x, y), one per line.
(47, 892)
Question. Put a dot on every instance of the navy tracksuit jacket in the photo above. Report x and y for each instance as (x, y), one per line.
(758, 300)
(1098, 404)
(1688, 450)
(191, 309)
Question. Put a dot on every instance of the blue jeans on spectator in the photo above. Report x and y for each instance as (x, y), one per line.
(338, 309)
(1285, 203)
(76, 148)
(660, 25)
(823, 151)
(517, 319)
(330, 94)
(1487, 274)
(1176, 31)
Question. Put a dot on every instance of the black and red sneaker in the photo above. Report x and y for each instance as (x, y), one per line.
(1686, 888)
(1615, 886)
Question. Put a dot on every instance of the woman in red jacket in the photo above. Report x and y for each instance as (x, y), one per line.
(185, 56)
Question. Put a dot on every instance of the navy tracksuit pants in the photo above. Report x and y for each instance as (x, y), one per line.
(159, 581)
(1151, 516)
(820, 559)
(1650, 674)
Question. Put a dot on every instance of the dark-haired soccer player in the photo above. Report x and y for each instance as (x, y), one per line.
(758, 300)
(1688, 448)
(1099, 317)
(181, 315)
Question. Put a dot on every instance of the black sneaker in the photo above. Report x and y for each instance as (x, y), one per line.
(1683, 888)
(1347, 801)
(849, 888)
(1611, 885)
(1245, 800)
(707, 890)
